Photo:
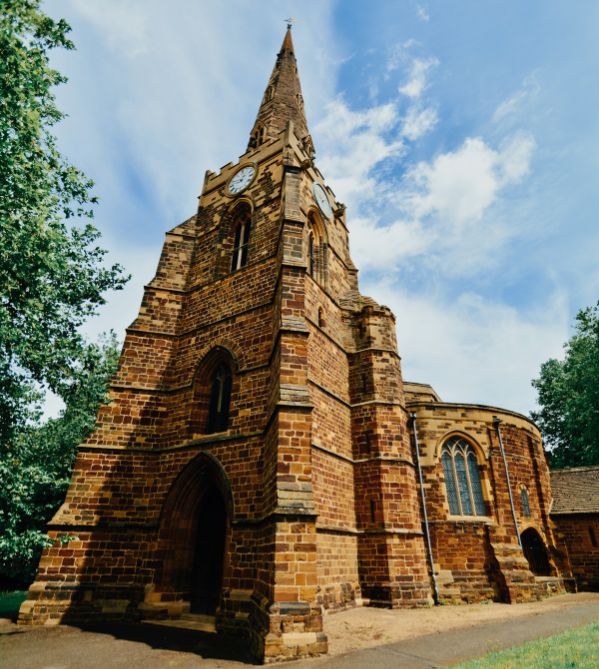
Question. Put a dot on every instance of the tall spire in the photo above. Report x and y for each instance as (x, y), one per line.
(282, 101)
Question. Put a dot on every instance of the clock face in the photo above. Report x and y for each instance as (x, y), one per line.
(242, 179)
(322, 200)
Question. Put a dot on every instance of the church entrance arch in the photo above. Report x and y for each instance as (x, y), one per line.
(535, 552)
(192, 546)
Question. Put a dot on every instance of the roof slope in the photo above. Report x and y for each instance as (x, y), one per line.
(575, 490)
(282, 101)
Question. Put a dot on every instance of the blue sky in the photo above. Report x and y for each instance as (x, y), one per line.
(463, 137)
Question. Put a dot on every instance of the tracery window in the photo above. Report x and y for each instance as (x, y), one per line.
(242, 225)
(525, 502)
(462, 478)
(220, 400)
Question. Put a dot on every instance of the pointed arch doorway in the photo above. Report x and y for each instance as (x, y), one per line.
(209, 553)
(535, 552)
(194, 531)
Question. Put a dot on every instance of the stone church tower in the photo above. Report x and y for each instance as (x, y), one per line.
(255, 463)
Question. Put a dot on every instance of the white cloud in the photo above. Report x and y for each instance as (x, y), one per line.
(515, 157)
(459, 187)
(422, 13)
(474, 350)
(418, 122)
(417, 83)
(381, 248)
(353, 144)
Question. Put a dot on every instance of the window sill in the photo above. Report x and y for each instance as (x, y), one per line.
(487, 520)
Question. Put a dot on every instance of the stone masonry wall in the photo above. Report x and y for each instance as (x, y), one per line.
(474, 555)
(580, 533)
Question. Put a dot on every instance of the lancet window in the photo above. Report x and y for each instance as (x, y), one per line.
(525, 502)
(220, 400)
(241, 225)
(316, 249)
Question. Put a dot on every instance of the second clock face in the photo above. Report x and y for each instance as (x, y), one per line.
(242, 179)
(322, 200)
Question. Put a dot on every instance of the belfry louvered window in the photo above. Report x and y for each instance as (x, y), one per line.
(220, 400)
(462, 479)
(242, 239)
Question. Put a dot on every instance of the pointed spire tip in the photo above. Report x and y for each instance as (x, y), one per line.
(287, 42)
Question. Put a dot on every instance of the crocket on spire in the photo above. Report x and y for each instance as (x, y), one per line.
(282, 101)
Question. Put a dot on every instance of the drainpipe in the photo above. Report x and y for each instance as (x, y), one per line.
(425, 516)
(496, 424)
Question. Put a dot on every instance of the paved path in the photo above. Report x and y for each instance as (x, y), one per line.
(151, 647)
(445, 648)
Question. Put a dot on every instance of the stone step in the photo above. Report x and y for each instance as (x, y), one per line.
(189, 621)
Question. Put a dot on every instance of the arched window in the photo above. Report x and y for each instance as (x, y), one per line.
(462, 478)
(316, 250)
(220, 400)
(525, 502)
(257, 137)
(242, 224)
(213, 393)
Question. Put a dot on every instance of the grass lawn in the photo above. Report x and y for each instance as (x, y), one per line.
(10, 602)
(577, 648)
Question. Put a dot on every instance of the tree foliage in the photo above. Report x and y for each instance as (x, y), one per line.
(35, 469)
(52, 275)
(52, 278)
(568, 394)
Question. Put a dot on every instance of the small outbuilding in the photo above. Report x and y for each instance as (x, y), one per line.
(575, 511)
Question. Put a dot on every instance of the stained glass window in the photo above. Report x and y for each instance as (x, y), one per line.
(452, 493)
(477, 491)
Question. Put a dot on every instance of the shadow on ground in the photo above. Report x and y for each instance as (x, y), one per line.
(204, 644)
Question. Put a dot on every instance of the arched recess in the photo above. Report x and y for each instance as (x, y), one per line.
(316, 248)
(535, 552)
(218, 366)
(192, 551)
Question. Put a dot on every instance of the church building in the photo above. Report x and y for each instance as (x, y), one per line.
(261, 461)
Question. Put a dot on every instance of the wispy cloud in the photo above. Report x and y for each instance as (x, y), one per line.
(418, 122)
(353, 144)
(474, 349)
(422, 13)
(517, 101)
(418, 79)
(123, 26)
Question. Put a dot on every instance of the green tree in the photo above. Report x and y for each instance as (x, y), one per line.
(568, 394)
(52, 273)
(36, 467)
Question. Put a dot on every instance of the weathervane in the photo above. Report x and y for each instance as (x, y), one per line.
(290, 21)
